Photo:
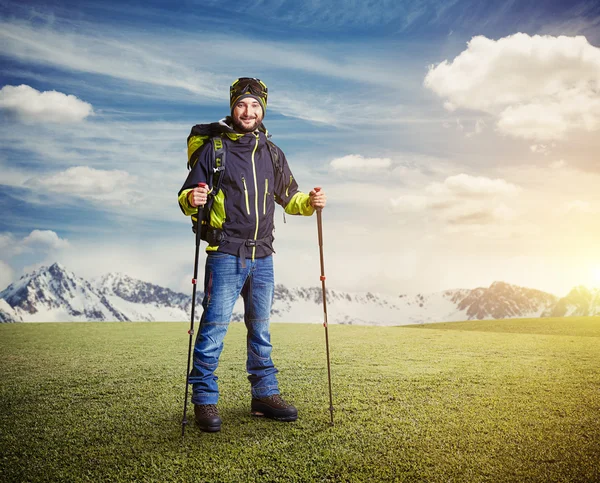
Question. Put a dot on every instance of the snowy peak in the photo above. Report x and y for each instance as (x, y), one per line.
(502, 300)
(315, 295)
(48, 286)
(54, 292)
(136, 291)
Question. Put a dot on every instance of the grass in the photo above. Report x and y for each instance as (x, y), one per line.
(492, 401)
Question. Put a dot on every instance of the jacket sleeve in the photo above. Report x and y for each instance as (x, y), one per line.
(198, 174)
(287, 193)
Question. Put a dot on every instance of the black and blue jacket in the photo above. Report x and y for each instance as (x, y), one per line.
(243, 209)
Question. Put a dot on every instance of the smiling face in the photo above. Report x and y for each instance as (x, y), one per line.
(247, 115)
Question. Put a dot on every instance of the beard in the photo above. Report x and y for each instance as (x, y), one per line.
(246, 125)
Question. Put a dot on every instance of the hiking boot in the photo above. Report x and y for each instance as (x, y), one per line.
(207, 417)
(273, 407)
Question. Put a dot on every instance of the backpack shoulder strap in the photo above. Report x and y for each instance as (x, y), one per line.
(274, 152)
(219, 155)
(215, 177)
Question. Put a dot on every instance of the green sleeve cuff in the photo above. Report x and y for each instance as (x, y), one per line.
(299, 205)
(184, 202)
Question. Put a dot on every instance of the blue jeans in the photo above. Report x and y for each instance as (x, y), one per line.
(224, 281)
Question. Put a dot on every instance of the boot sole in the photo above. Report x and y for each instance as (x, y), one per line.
(259, 414)
(210, 429)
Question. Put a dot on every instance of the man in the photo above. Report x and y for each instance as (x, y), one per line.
(239, 232)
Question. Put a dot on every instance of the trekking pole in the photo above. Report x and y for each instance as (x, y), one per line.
(320, 232)
(184, 421)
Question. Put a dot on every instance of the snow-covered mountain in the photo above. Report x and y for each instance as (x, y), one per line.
(7, 313)
(143, 301)
(306, 305)
(502, 301)
(56, 294)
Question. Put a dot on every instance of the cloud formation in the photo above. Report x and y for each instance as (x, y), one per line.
(107, 186)
(32, 106)
(358, 163)
(39, 244)
(537, 87)
(43, 241)
(461, 200)
(467, 186)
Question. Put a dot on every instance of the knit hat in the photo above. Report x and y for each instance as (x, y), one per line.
(248, 87)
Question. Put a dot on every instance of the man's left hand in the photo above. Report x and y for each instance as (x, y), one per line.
(318, 199)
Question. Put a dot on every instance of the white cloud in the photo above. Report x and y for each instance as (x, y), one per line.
(410, 203)
(38, 241)
(478, 214)
(464, 185)
(552, 118)
(106, 186)
(461, 200)
(33, 106)
(45, 240)
(406, 173)
(356, 162)
(538, 87)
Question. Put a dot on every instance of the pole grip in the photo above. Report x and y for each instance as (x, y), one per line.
(316, 189)
(202, 185)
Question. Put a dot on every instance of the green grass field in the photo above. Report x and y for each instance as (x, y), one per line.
(493, 401)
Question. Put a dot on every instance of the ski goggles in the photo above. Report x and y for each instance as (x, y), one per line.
(248, 85)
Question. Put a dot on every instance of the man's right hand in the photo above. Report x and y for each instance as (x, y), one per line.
(197, 197)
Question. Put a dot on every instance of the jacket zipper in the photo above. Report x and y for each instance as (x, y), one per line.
(255, 194)
(246, 195)
(266, 193)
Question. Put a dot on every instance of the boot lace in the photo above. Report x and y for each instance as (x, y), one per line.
(277, 400)
(209, 410)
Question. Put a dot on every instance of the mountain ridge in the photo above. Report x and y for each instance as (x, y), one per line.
(55, 294)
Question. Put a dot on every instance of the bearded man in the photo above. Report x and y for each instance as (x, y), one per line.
(239, 231)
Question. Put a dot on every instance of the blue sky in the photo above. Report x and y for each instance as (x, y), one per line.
(457, 141)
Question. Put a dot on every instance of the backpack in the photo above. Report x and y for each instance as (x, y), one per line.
(210, 136)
